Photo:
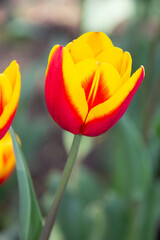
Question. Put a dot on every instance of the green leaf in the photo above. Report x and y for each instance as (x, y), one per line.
(151, 213)
(132, 169)
(30, 216)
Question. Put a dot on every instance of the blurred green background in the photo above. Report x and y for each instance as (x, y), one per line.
(114, 191)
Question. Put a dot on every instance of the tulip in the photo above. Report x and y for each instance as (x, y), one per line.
(89, 85)
(7, 158)
(10, 85)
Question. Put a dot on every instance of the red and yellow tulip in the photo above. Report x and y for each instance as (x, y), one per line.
(88, 84)
(7, 158)
(10, 85)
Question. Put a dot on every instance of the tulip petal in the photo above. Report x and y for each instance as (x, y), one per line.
(97, 41)
(102, 117)
(99, 81)
(1, 166)
(11, 72)
(13, 76)
(86, 71)
(7, 159)
(62, 86)
(113, 56)
(5, 91)
(122, 61)
(109, 81)
(79, 51)
(126, 67)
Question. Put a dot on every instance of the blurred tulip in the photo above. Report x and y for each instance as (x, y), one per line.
(10, 85)
(88, 84)
(7, 158)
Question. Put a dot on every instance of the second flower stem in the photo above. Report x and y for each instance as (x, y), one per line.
(51, 217)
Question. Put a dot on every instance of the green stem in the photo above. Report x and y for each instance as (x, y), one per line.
(51, 217)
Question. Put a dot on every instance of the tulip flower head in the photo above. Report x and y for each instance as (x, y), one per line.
(89, 85)
(7, 158)
(10, 85)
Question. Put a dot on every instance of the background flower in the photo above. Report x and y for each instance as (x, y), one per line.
(10, 85)
(7, 158)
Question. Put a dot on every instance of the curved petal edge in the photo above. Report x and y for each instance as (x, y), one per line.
(102, 124)
(58, 95)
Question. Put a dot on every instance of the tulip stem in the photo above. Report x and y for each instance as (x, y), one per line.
(51, 217)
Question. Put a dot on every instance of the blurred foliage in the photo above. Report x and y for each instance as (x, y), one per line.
(114, 191)
(30, 217)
